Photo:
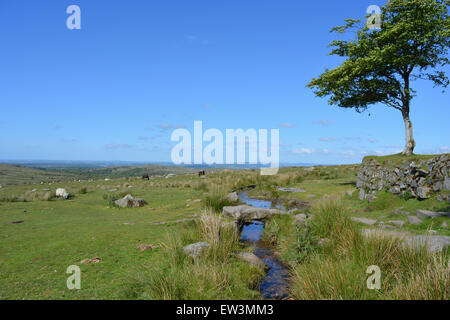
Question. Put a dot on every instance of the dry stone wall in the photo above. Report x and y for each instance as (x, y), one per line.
(420, 179)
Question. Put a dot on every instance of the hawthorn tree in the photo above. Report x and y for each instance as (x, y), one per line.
(380, 64)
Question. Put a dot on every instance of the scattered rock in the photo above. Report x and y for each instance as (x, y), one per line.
(423, 192)
(444, 225)
(447, 183)
(300, 219)
(144, 247)
(296, 190)
(362, 194)
(384, 225)
(196, 249)
(433, 243)
(398, 223)
(113, 190)
(426, 214)
(432, 232)
(402, 212)
(233, 197)
(297, 204)
(129, 202)
(93, 260)
(349, 193)
(369, 222)
(34, 190)
(252, 259)
(414, 220)
(248, 213)
(310, 196)
(107, 179)
(62, 193)
(443, 198)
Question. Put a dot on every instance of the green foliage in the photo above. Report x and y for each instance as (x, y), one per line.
(415, 36)
(216, 201)
(305, 244)
(83, 190)
(406, 195)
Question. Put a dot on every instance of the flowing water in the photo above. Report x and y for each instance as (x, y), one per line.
(275, 283)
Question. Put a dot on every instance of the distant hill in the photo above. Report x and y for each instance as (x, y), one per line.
(29, 172)
(15, 174)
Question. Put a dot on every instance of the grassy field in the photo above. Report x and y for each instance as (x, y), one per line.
(54, 234)
(11, 174)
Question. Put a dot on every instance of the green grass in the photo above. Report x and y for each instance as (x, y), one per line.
(399, 158)
(337, 270)
(56, 233)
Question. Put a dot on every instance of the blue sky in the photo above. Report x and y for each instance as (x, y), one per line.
(117, 88)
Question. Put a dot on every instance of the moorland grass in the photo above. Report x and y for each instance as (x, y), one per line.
(337, 268)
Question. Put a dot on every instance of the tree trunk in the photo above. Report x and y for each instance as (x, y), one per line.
(410, 143)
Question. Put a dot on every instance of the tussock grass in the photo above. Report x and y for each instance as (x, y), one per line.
(217, 274)
(338, 270)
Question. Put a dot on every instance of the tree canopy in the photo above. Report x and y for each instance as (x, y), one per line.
(411, 44)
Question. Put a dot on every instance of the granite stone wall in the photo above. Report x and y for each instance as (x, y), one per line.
(421, 179)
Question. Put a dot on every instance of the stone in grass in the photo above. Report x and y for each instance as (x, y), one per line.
(93, 260)
(196, 249)
(402, 212)
(233, 197)
(299, 219)
(295, 190)
(444, 225)
(144, 247)
(426, 214)
(252, 259)
(369, 222)
(414, 220)
(447, 183)
(398, 223)
(423, 192)
(129, 202)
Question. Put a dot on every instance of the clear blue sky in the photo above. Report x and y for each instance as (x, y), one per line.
(115, 89)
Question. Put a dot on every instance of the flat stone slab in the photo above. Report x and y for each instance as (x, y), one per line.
(426, 214)
(369, 222)
(248, 213)
(433, 243)
(398, 223)
(129, 202)
(196, 249)
(291, 189)
(252, 259)
(414, 220)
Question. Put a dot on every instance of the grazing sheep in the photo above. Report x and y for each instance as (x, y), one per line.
(60, 192)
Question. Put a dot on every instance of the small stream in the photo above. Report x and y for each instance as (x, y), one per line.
(275, 283)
